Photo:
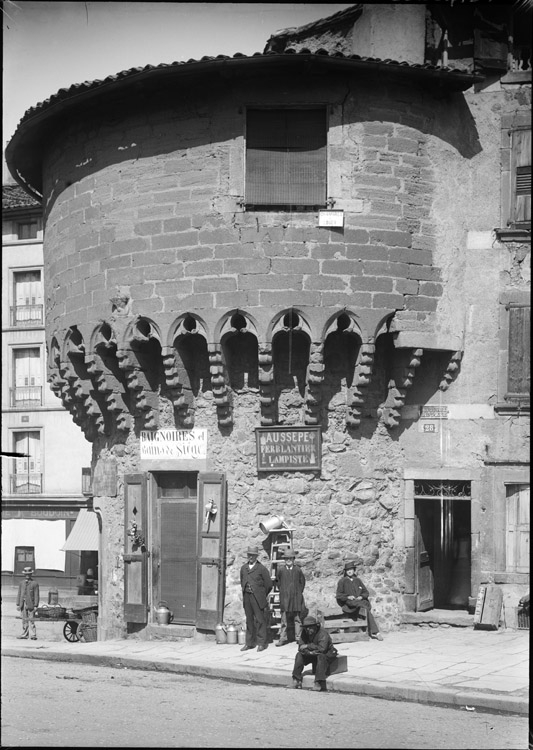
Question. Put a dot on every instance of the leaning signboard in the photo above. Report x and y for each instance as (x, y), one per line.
(288, 448)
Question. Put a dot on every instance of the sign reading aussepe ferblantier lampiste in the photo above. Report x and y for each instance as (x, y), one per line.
(173, 444)
(288, 448)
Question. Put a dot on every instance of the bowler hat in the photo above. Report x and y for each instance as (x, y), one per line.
(289, 552)
(252, 551)
(27, 571)
(309, 621)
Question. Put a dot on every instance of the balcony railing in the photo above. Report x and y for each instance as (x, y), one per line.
(519, 58)
(26, 484)
(27, 315)
(25, 397)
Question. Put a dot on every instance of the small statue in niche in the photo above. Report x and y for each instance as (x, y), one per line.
(121, 302)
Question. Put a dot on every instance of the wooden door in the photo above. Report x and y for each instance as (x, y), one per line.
(135, 553)
(424, 572)
(176, 565)
(211, 550)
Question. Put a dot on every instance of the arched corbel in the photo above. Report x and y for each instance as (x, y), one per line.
(402, 380)
(315, 378)
(362, 375)
(452, 370)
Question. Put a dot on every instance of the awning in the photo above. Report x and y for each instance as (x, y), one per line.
(85, 532)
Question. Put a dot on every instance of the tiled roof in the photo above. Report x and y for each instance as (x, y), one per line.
(348, 14)
(79, 88)
(14, 197)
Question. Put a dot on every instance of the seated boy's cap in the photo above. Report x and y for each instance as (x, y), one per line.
(350, 564)
(309, 622)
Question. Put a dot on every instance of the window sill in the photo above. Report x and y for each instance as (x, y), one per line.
(512, 408)
(510, 234)
(511, 577)
(517, 76)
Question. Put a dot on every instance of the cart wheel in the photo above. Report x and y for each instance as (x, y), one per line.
(70, 631)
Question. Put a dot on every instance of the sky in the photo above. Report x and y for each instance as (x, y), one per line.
(51, 45)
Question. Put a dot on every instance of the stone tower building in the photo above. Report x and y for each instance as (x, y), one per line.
(295, 283)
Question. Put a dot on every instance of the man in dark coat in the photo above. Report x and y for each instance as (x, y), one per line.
(291, 583)
(316, 647)
(352, 595)
(256, 584)
(27, 603)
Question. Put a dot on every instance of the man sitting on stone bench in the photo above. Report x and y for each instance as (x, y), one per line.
(352, 596)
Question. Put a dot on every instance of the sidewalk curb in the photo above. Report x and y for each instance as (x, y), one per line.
(275, 677)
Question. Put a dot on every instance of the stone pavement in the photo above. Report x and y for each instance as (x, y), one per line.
(460, 667)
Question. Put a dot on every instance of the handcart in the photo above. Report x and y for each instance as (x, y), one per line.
(80, 623)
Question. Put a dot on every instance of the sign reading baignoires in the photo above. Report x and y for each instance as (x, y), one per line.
(173, 444)
(288, 448)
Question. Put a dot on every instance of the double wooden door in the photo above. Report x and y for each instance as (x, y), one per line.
(185, 546)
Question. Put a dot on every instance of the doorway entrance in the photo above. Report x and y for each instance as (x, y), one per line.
(443, 529)
(177, 522)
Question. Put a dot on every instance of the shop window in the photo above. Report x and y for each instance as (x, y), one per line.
(517, 529)
(24, 556)
(519, 363)
(286, 157)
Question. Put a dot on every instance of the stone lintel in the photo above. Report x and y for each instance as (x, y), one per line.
(432, 341)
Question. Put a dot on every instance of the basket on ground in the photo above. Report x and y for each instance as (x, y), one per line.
(88, 631)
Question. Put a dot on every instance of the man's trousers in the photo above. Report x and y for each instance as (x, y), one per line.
(256, 622)
(321, 663)
(28, 621)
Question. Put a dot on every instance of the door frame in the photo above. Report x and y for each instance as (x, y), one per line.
(448, 474)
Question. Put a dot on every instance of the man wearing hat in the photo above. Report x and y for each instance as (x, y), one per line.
(352, 595)
(27, 601)
(291, 583)
(256, 584)
(316, 647)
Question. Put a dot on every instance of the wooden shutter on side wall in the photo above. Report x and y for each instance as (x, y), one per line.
(519, 376)
(521, 177)
(135, 559)
(211, 550)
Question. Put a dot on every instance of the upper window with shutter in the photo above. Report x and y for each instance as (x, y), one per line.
(286, 158)
(520, 214)
(519, 366)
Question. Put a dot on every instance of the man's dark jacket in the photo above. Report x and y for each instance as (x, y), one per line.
(320, 642)
(350, 587)
(291, 584)
(259, 580)
(28, 592)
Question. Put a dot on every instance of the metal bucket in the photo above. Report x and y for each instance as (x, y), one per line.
(275, 522)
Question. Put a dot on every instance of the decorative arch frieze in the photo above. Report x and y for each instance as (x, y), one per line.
(290, 319)
(403, 376)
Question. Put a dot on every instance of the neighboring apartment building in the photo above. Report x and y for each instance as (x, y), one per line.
(298, 283)
(41, 488)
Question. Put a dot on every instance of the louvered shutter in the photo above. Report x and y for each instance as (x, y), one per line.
(521, 176)
(517, 545)
(286, 157)
(211, 550)
(135, 556)
(518, 374)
